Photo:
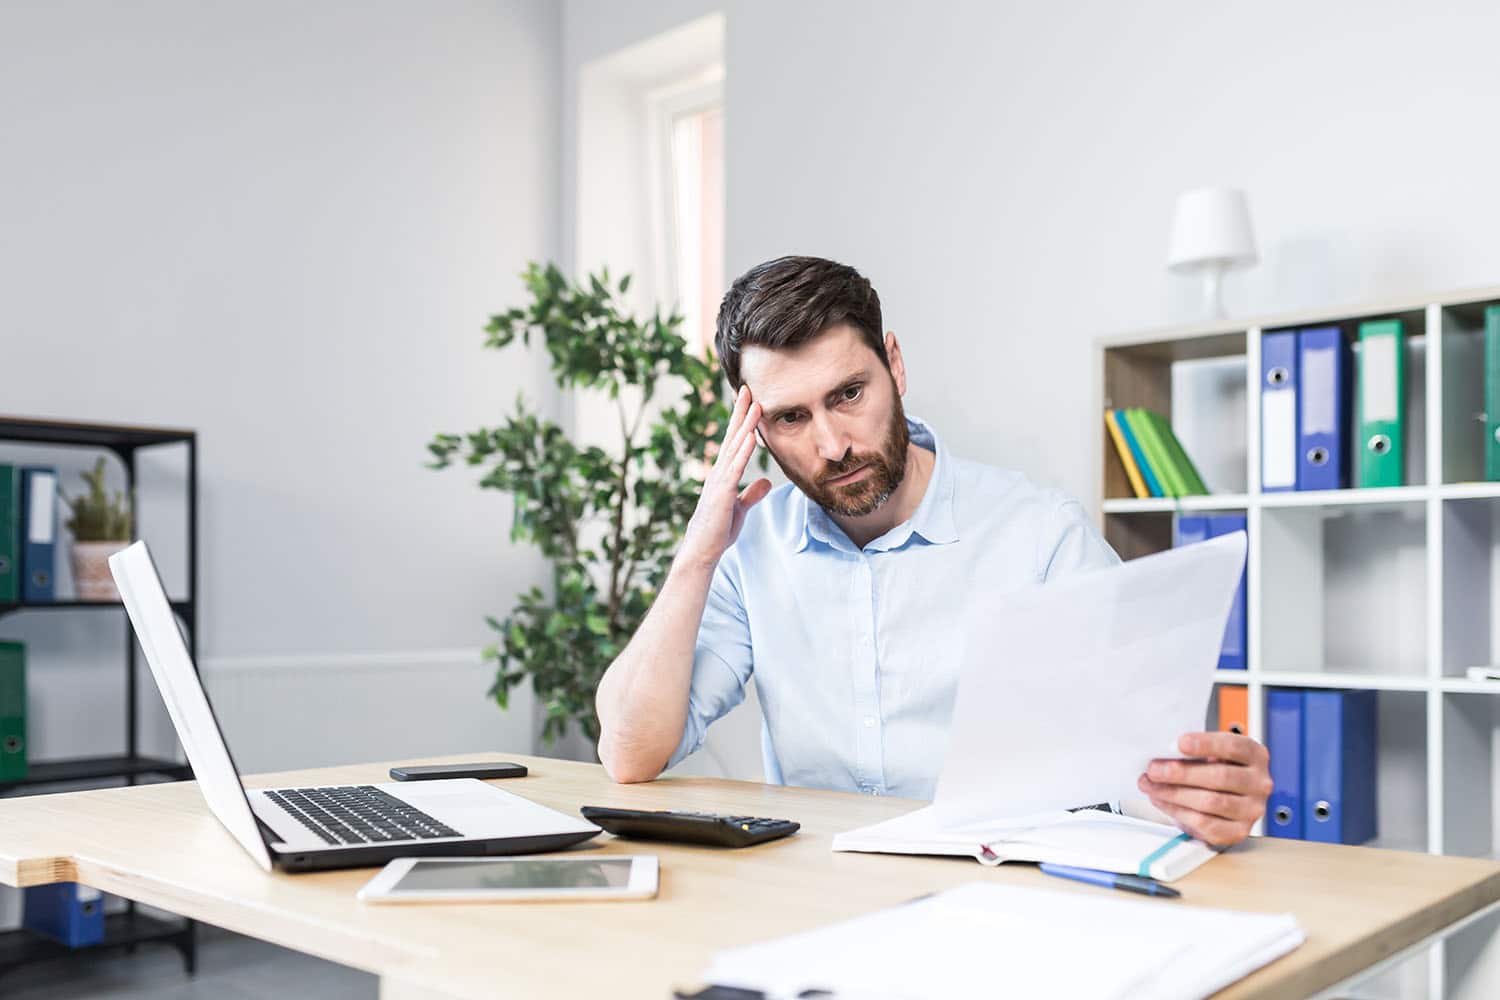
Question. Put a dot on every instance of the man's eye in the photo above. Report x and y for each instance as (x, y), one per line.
(852, 393)
(787, 419)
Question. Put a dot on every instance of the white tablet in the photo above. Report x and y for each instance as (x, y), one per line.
(481, 880)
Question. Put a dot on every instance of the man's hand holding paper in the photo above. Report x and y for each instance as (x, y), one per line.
(1216, 797)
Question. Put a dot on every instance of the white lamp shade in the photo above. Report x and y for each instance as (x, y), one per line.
(1211, 227)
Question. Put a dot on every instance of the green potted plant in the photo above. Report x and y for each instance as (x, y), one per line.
(608, 521)
(101, 525)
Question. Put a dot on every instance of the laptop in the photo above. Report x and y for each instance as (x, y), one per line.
(340, 826)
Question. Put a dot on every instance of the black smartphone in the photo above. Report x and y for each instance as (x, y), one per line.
(431, 772)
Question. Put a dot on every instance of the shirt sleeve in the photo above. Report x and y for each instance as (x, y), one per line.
(722, 661)
(1074, 545)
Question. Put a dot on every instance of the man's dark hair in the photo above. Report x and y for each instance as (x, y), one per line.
(790, 300)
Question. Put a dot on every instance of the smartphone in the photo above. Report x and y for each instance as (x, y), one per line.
(430, 772)
(495, 880)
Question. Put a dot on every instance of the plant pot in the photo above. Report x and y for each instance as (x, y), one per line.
(91, 576)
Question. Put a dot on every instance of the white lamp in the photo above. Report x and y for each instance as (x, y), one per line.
(1211, 234)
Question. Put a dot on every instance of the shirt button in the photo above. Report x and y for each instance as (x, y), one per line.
(869, 722)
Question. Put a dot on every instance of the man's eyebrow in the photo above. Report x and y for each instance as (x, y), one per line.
(770, 415)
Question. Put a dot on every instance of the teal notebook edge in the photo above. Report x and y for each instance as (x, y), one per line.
(10, 535)
(1152, 483)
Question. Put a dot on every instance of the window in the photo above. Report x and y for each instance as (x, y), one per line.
(689, 170)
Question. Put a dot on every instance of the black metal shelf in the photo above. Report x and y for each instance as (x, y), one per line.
(51, 772)
(121, 930)
(32, 430)
(126, 442)
(181, 607)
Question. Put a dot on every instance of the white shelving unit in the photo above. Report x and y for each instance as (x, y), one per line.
(1396, 590)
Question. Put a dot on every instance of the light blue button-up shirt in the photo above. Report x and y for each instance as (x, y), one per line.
(856, 652)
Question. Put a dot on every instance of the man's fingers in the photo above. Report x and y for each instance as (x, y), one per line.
(1209, 829)
(1224, 746)
(743, 447)
(754, 493)
(1214, 775)
(1225, 805)
(741, 406)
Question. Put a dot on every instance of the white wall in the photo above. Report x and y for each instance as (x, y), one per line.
(1005, 173)
(284, 225)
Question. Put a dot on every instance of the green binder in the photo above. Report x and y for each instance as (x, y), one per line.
(1156, 452)
(1492, 394)
(10, 535)
(1382, 403)
(1186, 470)
(12, 711)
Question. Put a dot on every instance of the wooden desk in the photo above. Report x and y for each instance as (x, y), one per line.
(158, 844)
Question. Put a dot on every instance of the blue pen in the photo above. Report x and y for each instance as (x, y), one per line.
(1130, 883)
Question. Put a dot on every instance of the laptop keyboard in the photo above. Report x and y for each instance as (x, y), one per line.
(358, 814)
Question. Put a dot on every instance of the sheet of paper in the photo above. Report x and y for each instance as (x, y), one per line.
(971, 941)
(1069, 689)
(983, 939)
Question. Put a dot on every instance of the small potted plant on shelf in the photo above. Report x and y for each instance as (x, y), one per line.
(101, 526)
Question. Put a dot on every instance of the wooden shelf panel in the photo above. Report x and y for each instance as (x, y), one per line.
(32, 430)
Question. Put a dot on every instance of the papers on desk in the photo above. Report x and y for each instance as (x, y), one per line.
(990, 940)
(1086, 839)
(1068, 690)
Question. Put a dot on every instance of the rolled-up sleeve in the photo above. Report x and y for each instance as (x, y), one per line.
(722, 661)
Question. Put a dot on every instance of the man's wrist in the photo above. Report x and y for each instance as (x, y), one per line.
(689, 563)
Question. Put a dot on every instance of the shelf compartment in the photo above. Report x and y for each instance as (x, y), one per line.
(121, 930)
(1463, 429)
(1471, 804)
(49, 772)
(1471, 536)
(1344, 591)
(1198, 384)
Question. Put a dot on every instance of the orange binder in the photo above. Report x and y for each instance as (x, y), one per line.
(1234, 709)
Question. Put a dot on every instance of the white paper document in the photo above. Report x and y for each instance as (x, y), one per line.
(1069, 689)
(1067, 692)
(984, 940)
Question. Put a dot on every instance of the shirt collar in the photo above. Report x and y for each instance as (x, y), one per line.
(933, 520)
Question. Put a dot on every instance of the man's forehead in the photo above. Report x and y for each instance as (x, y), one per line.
(788, 376)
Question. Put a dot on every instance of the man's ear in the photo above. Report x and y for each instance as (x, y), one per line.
(897, 363)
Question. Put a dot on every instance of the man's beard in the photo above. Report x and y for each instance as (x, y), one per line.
(887, 468)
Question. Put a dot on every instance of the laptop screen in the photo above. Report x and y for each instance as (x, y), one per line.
(146, 602)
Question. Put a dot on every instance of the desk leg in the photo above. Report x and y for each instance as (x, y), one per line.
(396, 989)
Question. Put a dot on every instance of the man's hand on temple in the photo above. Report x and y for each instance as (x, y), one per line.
(1217, 796)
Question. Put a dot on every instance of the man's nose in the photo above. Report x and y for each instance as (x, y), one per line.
(833, 443)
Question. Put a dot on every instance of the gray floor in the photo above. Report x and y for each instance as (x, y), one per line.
(229, 966)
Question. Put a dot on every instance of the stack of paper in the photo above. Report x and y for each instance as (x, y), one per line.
(989, 940)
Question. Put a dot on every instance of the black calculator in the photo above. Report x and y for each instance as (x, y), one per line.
(689, 827)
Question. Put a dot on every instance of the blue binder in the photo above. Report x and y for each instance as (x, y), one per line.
(1338, 789)
(1284, 742)
(1278, 411)
(1193, 528)
(1232, 653)
(38, 533)
(1323, 415)
(66, 912)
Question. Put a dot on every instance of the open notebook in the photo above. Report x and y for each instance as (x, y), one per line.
(983, 939)
(1088, 838)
